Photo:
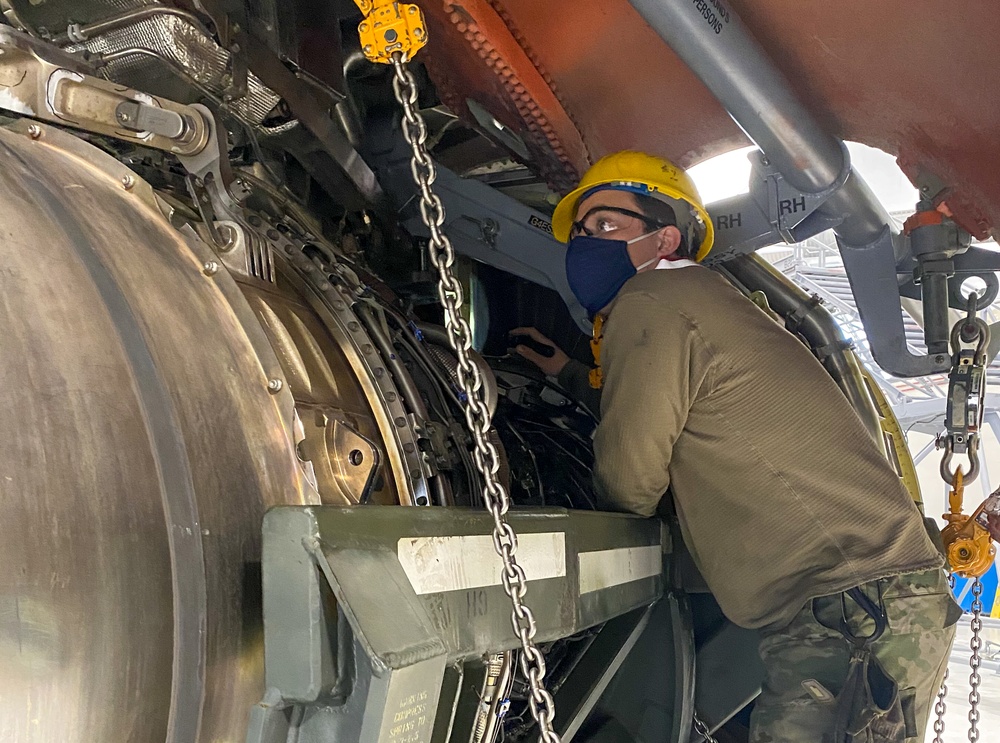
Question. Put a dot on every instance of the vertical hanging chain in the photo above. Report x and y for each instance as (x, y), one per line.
(702, 729)
(939, 706)
(477, 414)
(975, 661)
(966, 392)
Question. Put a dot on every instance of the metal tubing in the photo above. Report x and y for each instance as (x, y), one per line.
(438, 335)
(79, 33)
(718, 48)
(714, 43)
(934, 288)
(819, 329)
(712, 40)
(864, 217)
(411, 395)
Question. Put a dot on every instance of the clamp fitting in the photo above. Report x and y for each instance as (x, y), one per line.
(390, 28)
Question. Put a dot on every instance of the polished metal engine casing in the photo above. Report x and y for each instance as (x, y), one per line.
(155, 408)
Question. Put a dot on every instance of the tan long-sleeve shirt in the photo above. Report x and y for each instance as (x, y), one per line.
(780, 492)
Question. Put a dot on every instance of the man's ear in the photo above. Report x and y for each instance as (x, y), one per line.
(668, 240)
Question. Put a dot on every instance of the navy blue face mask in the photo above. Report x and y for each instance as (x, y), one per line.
(597, 268)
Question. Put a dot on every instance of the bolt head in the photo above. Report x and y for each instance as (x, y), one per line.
(128, 182)
(274, 385)
(228, 233)
(210, 268)
(34, 131)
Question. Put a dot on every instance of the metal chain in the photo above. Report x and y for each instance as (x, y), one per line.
(702, 729)
(939, 706)
(975, 661)
(477, 414)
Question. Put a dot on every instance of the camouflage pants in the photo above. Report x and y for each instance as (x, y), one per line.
(806, 663)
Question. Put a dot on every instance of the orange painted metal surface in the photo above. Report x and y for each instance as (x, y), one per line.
(918, 80)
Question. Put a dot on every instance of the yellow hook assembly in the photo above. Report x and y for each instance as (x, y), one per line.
(968, 545)
(390, 28)
(596, 376)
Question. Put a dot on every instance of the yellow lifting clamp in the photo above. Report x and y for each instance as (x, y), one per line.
(390, 28)
(596, 376)
(967, 542)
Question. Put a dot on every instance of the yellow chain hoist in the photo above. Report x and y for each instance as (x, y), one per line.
(390, 28)
(967, 541)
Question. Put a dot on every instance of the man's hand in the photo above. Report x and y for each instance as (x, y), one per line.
(550, 365)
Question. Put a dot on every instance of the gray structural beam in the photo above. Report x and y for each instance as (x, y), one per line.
(482, 223)
(492, 228)
(346, 662)
(719, 49)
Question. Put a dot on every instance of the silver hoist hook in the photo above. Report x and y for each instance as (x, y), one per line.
(392, 33)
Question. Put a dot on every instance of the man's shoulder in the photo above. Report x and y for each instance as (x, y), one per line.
(677, 286)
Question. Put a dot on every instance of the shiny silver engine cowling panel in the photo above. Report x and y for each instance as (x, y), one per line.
(149, 424)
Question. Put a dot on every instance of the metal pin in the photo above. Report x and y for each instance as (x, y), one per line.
(274, 385)
(210, 268)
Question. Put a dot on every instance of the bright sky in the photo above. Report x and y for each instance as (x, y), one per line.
(729, 175)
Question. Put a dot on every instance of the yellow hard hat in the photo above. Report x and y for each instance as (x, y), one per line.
(643, 174)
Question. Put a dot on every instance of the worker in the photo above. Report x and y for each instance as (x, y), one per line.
(792, 515)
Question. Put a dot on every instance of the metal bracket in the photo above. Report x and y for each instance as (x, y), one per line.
(873, 278)
(372, 667)
(487, 226)
(47, 84)
(773, 211)
(786, 206)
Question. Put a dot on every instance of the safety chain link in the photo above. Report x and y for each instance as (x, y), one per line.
(939, 706)
(975, 661)
(702, 729)
(477, 414)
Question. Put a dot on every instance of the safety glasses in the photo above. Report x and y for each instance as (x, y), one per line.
(581, 227)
